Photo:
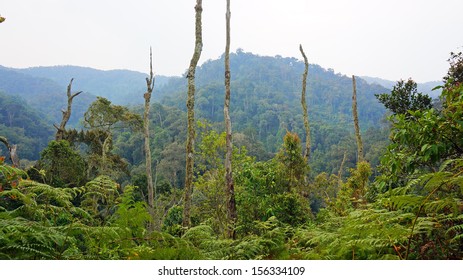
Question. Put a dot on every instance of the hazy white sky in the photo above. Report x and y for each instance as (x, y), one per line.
(391, 39)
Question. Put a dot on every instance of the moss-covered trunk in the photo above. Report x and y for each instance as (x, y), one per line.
(356, 121)
(146, 135)
(304, 105)
(190, 104)
(230, 188)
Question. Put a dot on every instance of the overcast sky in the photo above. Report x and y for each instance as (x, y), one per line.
(391, 39)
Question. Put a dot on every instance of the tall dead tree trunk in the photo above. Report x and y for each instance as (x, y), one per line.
(66, 113)
(146, 135)
(190, 104)
(356, 121)
(304, 105)
(230, 188)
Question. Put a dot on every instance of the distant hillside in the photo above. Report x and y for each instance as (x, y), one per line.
(269, 89)
(428, 88)
(265, 100)
(43, 94)
(23, 126)
(119, 86)
(422, 87)
(265, 103)
(14, 82)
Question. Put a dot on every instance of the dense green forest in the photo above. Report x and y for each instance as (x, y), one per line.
(85, 195)
(265, 104)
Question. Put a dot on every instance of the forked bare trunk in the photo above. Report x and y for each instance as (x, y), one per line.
(66, 113)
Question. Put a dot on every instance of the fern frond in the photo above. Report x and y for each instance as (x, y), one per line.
(46, 194)
(439, 205)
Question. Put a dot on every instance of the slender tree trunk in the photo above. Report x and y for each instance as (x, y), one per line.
(146, 135)
(191, 116)
(356, 121)
(230, 188)
(66, 113)
(304, 106)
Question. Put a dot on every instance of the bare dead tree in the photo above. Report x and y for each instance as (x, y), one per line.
(304, 105)
(12, 149)
(356, 121)
(230, 188)
(66, 113)
(191, 116)
(146, 135)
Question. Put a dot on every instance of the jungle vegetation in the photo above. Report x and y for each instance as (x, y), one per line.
(377, 178)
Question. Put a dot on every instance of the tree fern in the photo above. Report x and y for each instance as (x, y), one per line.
(131, 216)
(99, 197)
(24, 239)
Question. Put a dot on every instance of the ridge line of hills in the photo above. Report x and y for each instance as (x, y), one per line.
(265, 100)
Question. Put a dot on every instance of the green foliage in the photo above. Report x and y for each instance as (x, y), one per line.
(404, 97)
(209, 199)
(363, 234)
(9, 176)
(352, 194)
(421, 220)
(211, 147)
(63, 166)
(420, 142)
(99, 157)
(102, 114)
(289, 208)
(38, 221)
(293, 166)
(23, 126)
(102, 118)
(99, 197)
(162, 246)
(435, 200)
(260, 195)
(173, 222)
(413, 210)
(266, 94)
(34, 219)
(131, 216)
(323, 190)
(24, 239)
(268, 243)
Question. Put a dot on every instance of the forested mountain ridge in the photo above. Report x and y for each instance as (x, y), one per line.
(43, 94)
(42, 87)
(119, 86)
(23, 125)
(265, 99)
(268, 87)
(265, 104)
